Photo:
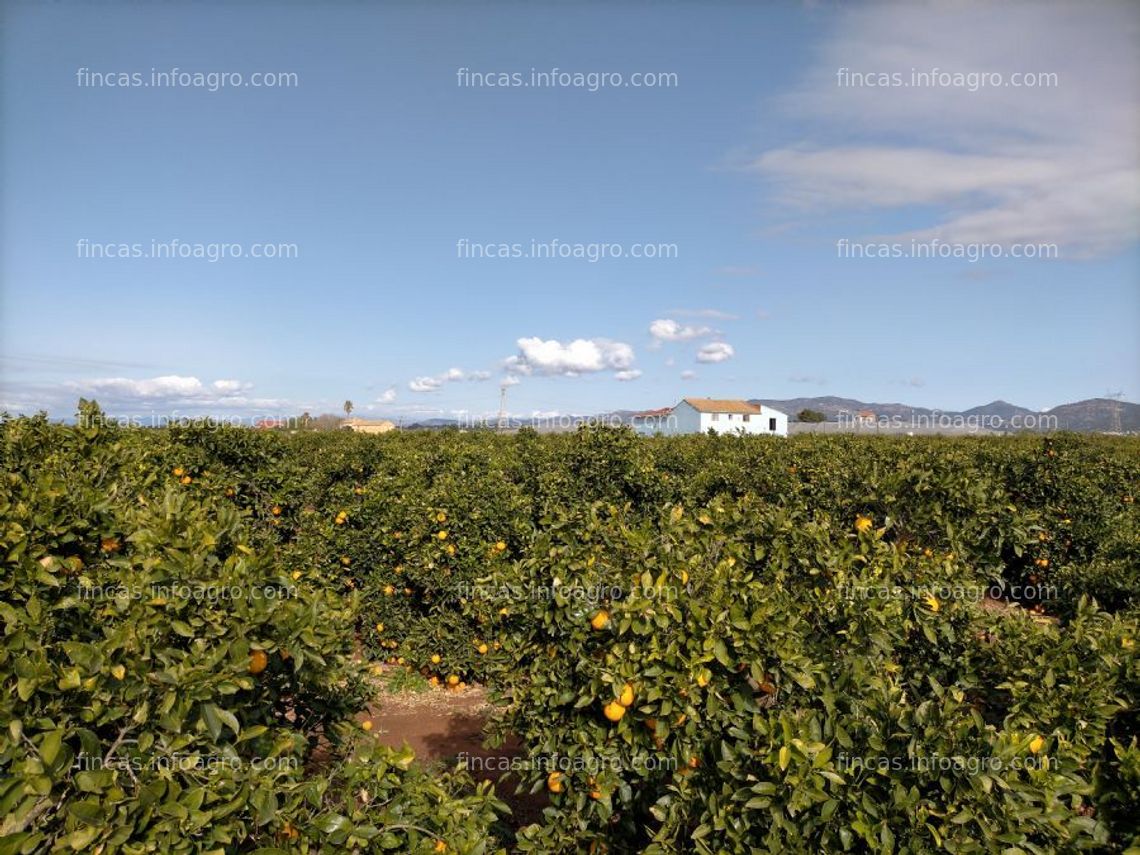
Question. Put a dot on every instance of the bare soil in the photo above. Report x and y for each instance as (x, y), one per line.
(445, 727)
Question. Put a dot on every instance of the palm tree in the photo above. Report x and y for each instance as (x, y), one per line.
(347, 409)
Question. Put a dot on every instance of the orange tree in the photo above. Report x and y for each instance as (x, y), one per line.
(170, 687)
(800, 682)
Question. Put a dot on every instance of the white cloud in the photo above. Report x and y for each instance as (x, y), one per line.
(630, 374)
(509, 381)
(688, 375)
(715, 351)
(171, 385)
(580, 356)
(387, 396)
(1000, 164)
(425, 384)
(167, 393)
(451, 375)
(230, 385)
(666, 329)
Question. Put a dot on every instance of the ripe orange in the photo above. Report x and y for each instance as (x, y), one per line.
(600, 621)
(442, 535)
(626, 697)
(862, 523)
(453, 680)
(276, 510)
(366, 725)
(554, 782)
(435, 659)
(179, 471)
(482, 648)
(186, 479)
(613, 711)
(258, 661)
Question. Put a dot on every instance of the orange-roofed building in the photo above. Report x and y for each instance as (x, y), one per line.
(700, 415)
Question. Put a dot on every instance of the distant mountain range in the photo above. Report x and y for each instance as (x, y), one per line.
(1094, 415)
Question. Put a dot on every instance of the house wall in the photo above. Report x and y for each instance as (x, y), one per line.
(687, 419)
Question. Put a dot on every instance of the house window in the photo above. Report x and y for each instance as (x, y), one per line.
(772, 425)
(716, 417)
(747, 417)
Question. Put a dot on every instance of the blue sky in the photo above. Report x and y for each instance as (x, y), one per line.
(749, 170)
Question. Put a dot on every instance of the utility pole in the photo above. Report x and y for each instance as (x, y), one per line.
(502, 409)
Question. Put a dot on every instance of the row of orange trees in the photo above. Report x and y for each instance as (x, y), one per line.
(720, 644)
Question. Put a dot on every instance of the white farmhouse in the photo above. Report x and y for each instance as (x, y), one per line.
(699, 415)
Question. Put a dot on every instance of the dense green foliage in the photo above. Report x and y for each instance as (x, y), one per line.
(903, 644)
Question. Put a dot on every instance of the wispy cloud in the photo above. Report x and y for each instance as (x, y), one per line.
(1001, 164)
(912, 382)
(711, 314)
(435, 382)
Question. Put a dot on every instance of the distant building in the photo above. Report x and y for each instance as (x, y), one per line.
(368, 425)
(700, 415)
